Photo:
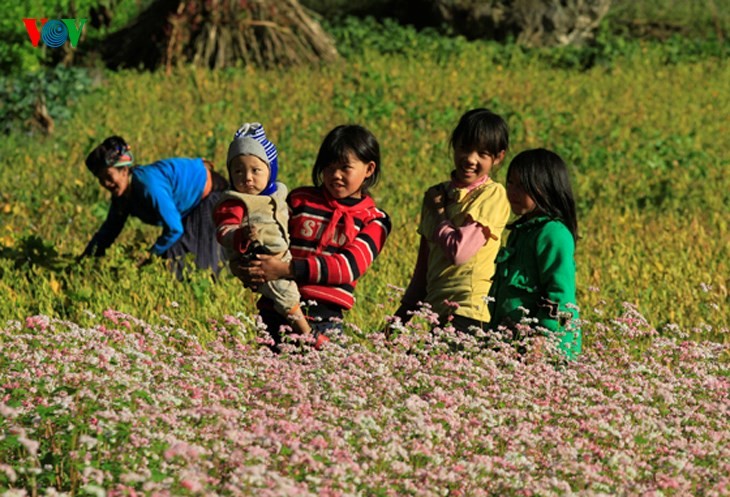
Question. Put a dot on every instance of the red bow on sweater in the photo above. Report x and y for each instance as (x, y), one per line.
(339, 211)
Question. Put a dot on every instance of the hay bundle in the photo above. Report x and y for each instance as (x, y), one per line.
(220, 33)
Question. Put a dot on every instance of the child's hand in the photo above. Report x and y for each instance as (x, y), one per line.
(435, 198)
(267, 268)
(240, 270)
(485, 229)
(249, 232)
(488, 233)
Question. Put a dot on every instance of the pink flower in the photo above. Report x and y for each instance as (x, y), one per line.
(192, 485)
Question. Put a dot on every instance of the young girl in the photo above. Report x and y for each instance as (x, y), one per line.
(177, 194)
(335, 230)
(461, 223)
(253, 217)
(536, 269)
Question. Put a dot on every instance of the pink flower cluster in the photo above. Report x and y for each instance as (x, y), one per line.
(126, 408)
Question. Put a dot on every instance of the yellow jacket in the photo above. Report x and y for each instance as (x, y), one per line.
(468, 284)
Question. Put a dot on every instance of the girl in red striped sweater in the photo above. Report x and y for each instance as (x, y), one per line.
(335, 230)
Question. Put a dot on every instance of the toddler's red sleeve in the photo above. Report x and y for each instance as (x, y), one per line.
(229, 214)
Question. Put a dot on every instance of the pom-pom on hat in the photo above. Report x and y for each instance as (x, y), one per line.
(250, 139)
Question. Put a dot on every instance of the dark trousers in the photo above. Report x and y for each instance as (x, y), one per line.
(323, 318)
(199, 235)
(466, 325)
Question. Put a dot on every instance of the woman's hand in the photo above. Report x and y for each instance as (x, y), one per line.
(143, 261)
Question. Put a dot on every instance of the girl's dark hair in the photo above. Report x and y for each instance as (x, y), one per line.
(544, 177)
(481, 130)
(106, 154)
(342, 140)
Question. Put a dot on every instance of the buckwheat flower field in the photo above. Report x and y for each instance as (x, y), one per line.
(126, 408)
(118, 380)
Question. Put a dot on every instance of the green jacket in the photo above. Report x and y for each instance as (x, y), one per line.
(536, 271)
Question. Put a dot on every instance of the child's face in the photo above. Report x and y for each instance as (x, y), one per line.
(472, 166)
(114, 179)
(249, 174)
(519, 200)
(346, 179)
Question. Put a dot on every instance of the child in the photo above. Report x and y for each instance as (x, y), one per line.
(177, 194)
(253, 217)
(336, 232)
(461, 223)
(536, 269)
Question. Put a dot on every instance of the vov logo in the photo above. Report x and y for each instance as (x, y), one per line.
(54, 33)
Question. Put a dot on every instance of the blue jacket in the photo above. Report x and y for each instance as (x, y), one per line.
(162, 194)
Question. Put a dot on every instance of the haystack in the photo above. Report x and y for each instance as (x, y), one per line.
(220, 33)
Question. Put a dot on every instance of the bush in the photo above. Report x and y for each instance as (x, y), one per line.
(56, 88)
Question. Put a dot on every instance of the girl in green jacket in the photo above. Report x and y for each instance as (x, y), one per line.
(534, 281)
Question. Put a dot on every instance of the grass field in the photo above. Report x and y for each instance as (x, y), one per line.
(645, 138)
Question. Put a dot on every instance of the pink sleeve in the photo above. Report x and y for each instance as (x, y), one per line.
(459, 244)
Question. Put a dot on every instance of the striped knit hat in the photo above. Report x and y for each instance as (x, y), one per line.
(242, 145)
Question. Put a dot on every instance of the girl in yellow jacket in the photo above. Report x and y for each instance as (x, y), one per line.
(462, 220)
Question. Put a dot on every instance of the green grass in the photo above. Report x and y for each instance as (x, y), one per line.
(698, 19)
(645, 135)
(17, 54)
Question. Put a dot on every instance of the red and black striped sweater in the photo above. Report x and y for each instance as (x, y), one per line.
(333, 242)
